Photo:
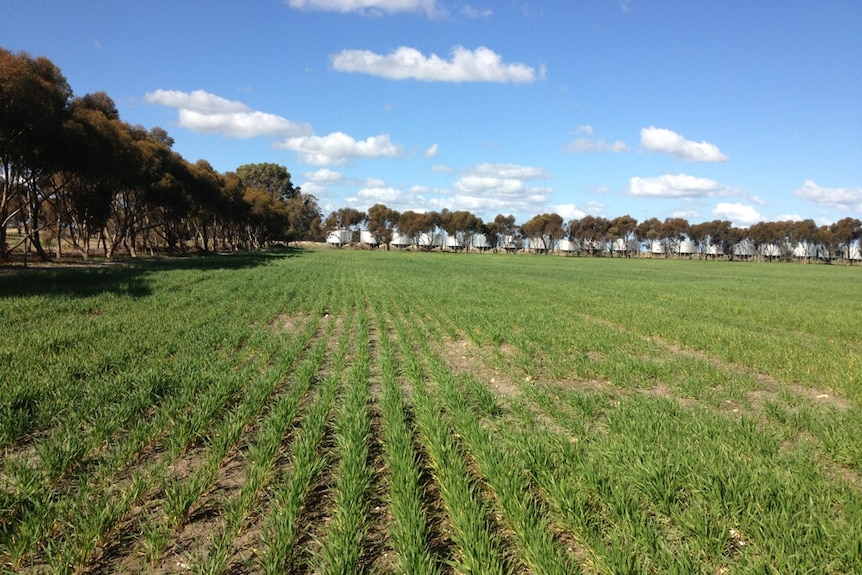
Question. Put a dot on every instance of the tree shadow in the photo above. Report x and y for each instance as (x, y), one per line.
(127, 277)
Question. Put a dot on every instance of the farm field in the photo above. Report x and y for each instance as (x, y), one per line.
(336, 411)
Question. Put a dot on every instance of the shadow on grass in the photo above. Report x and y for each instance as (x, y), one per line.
(126, 277)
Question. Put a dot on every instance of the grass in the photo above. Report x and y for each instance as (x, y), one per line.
(673, 416)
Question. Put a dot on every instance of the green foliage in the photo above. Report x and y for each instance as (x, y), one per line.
(657, 416)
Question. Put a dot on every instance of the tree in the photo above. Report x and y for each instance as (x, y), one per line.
(622, 231)
(508, 234)
(845, 232)
(33, 104)
(461, 225)
(648, 232)
(421, 228)
(544, 230)
(96, 159)
(592, 233)
(382, 221)
(344, 219)
(271, 178)
(672, 232)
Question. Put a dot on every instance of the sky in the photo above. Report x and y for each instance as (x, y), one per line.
(746, 110)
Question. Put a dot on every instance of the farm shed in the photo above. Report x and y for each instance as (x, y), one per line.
(567, 246)
(510, 243)
(656, 248)
(744, 249)
(771, 251)
(367, 238)
(714, 250)
(806, 251)
(339, 237)
(453, 243)
(430, 241)
(399, 241)
(686, 248)
(480, 242)
(619, 246)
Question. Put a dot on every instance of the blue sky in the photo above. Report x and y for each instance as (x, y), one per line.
(740, 110)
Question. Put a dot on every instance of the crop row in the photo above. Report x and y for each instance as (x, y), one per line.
(227, 418)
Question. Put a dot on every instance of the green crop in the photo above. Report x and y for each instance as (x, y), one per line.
(340, 411)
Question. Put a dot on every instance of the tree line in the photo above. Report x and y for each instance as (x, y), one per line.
(591, 235)
(74, 172)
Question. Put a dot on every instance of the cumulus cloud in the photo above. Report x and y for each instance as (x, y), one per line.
(585, 129)
(487, 188)
(480, 65)
(582, 145)
(509, 171)
(206, 113)
(570, 211)
(739, 215)
(339, 148)
(432, 151)
(367, 6)
(844, 199)
(393, 198)
(669, 142)
(678, 186)
(324, 175)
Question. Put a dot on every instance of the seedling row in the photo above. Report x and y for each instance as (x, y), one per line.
(335, 412)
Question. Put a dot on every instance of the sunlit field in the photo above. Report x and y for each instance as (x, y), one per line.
(337, 411)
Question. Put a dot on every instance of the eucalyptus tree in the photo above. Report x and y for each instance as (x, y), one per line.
(672, 232)
(421, 228)
(648, 231)
(508, 233)
(592, 233)
(271, 178)
(344, 219)
(382, 221)
(461, 225)
(845, 232)
(34, 97)
(622, 230)
(96, 159)
(544, 231)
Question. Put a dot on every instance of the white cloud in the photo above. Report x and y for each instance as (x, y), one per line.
(432, 151)
(513, 171)
(472, 12)
(740, 215)
(206, 113)
(687, 214)
(669, 142)
(339, 148)
(374, 183)
(570, 211)
(391, 197)
(585, 129)
(481, 65)
(488, 188)
(678, 186)
(844, 199)
(442, 169)
(367, 6)
(323, 175)
(582, 145)
(789, 218)
(381, 195)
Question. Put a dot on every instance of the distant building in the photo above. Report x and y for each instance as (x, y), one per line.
(339, 237)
